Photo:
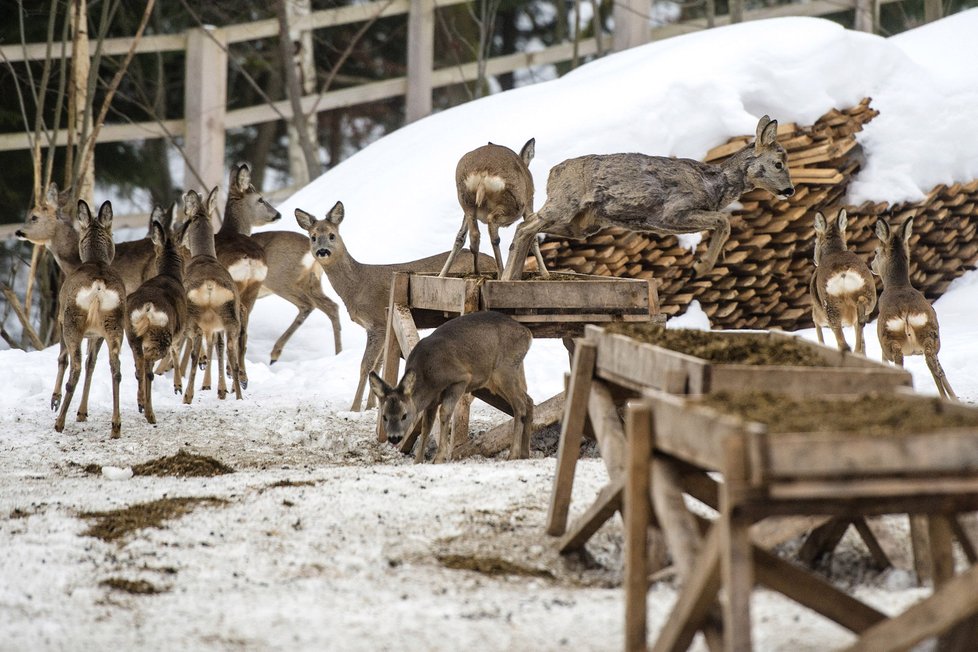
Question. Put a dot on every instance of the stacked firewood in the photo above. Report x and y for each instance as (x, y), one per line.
(761, 279)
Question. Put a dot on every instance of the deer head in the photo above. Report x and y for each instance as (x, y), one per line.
(325, 242)
(44, 217)
(830, 235)
(397, 407)
(893, 252)
(768, 164)
(245, 202)
(198, 232)
(95, 242)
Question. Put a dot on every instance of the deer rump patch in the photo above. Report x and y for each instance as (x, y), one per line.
(484, 182)
(210, 295)
(907, 326)
(844, 283)
(248, 270)
(97, 295)
(142, 319)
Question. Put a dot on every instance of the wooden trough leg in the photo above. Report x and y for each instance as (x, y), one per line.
(638, 426)
(736, 554)
(571, 431)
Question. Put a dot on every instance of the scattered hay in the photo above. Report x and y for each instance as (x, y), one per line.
(183, 465)
(292, 483)
(726, 348)
(490, 565)
(873, 414)
(117, 523)
(135, 587)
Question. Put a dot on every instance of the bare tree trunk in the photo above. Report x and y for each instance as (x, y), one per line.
(80, 114)
(294, 92)
(302, 61)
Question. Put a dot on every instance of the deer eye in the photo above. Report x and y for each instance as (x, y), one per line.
(403, 417)
(332, 236)
(779, 165)
(33, 218)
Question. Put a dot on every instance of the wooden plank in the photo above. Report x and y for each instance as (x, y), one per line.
(878, 489)
(638, 426)
(603, 414)
(736, 549)
(594, 293)
(608, 501)
(434, 293)
(822, 540)
(572, 429)
(498, 438)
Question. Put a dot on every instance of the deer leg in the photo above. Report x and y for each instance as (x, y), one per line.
(222, 388)
(860, 325)
(94, 344)
(446, 435)
(513, 390)
(716, 222)
(459, 241)
(75, 358)
(940, 378)
(139, 361)
(146, 371)
(542, 266)
(116, 369)
(818, 332)
(494, 239)
(232, 330)
(474, 238)
(62, 366)
(205, 360)
(195, 344)
(175, 355)
(304, 312)
(369, 362)
(834, 317)
(525, 233)
(248, 298)
(427, 421)
(332, 311)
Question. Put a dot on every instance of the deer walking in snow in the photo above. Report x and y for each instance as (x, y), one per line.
(365, 289)
(157, 315)
(92, 304)
(842, 287)
(476, 350)
(655, 194)
(907, 323)
(495, 187)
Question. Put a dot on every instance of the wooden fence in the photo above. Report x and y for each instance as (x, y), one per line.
(207, 119)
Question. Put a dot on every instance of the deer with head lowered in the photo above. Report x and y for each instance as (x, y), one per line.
(212, 295)
(365, 289)
(494, 186)
(92, 304)
(907, 323)
(654, 194)
(842, 287)
(156, 315)
(477, 350)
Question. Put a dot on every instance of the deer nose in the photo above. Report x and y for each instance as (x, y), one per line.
(393, 439)
(278, 216)
(322, 253)
(20, 234)
(788, 192)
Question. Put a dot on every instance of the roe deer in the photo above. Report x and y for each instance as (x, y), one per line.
(842, 288)
(365, 289)
(480, 349)
(91, 304)
(212, 296)
(157, 315)
(494, 186)
(907, 323)
(656, 194)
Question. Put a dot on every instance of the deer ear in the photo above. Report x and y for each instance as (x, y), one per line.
(408, 382)
(378, 386)
(243, 178)
(769, 135)
(51, 196)
(759, 132)
(304, 219)
(529, 151)
(907, 230)
(336, 213)
(191, 203)
(212, 202)
(820, 223)
(105, 214)
(882, 230)
(843, 220)
(157, 234)
(84, 214)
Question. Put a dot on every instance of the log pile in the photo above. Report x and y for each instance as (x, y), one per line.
(761, 279)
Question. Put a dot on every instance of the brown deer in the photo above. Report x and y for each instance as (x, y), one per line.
(212, 295)
(157, 315)
(655, 194)
(365, 289)
(842, 288)
(907, 323)
(91, 304)
(495, 187)
(480, 349)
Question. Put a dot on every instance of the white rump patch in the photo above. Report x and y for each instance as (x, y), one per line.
(490, 182)
(150, 315)
(844, 283)
(917, 319)
(210, 294)
(308, 260)
(896, 324)
(248, 270)
(97, 292)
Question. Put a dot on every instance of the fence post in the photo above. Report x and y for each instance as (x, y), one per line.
(420, 59)
(933, 10)
(205, 107)
(631, 24)
(867, 16)
(736, 11)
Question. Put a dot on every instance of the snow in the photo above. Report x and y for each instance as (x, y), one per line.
(330, 540)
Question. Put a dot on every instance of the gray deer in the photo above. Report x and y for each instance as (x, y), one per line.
(655, 194)
(494, 186)
(92, 304)
(842, 287)
(907, 323)
(480, 349)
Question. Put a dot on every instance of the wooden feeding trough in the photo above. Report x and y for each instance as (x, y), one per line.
(610, 367)
(558, 307)
(893, 452)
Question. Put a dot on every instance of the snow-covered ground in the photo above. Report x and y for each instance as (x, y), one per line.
(353, 552)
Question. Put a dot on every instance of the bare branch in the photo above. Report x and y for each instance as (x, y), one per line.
(313, 166)
(21, 315)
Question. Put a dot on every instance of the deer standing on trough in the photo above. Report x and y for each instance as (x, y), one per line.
(157, 315)
(495, 187)
(842, 287)
(49, 223)
(91, 304)
(212, 296)
(365, 289)
(479, 349)
(655, 194)
(907, 323)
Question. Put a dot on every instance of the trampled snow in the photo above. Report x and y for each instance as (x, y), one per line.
(330, 540)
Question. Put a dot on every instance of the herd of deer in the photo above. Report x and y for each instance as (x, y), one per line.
(186, 284)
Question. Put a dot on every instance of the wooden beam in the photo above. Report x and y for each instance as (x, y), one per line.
(637, 513)
(608, 502)
(420, 59)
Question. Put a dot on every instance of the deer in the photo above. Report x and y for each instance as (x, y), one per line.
(842, 287)
(91, 304)
(157, 315)
(213, 305)
(364, 289)
(476, 350)
(51, 224)
(654, 194)
(495, 187)
(907, 323)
